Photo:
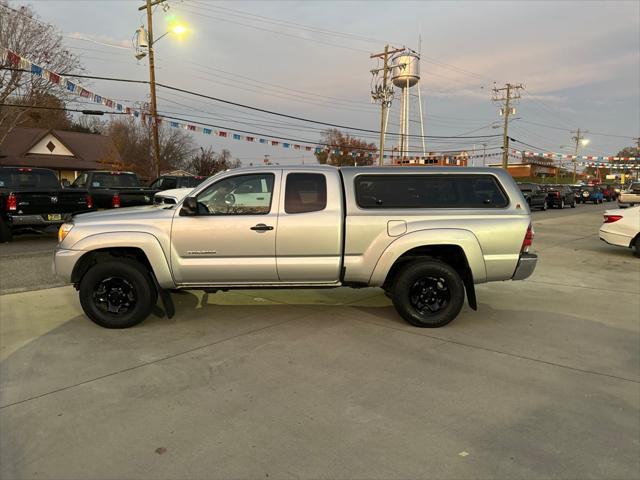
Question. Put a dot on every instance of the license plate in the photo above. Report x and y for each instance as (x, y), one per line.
(52, 217)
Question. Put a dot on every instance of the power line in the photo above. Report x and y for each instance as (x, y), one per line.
(295, 117)
(262, 110)
(40, 107)
(569, 130)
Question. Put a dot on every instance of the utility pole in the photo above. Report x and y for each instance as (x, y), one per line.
(152, 82)
(506, 94)
(578, 138)
(382, 93)
(636, 162)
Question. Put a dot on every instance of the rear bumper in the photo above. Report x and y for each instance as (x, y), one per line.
(615, 238)
(526, 265)
(36, 220)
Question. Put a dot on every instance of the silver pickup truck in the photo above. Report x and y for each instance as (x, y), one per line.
(425, 235)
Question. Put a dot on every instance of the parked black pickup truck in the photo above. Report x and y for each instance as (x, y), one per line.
(534, 195)
(31, 199)
(169, 182)
(114, 189)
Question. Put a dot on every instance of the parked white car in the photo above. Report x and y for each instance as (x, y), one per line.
(621, 227)
(171, 197)
(630, 197)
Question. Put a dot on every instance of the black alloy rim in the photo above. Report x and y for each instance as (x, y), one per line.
(114, 295)
(429, 295)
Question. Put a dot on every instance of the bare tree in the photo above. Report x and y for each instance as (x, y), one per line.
(23, 33)
(176, 149)
(207, 162)
(132, 139)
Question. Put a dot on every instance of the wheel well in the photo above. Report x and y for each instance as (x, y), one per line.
(104, 254)
(452, 255)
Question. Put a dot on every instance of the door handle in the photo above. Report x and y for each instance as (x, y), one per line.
(261, 227)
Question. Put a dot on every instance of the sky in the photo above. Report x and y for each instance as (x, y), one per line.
(578, 61)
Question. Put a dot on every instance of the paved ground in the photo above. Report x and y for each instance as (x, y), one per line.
(542, 382)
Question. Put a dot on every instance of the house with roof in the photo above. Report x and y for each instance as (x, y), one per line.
(67, 153)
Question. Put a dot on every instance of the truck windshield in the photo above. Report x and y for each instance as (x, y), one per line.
(27, 178)
(114, 180)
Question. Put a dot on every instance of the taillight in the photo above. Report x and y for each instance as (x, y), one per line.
(89, 201)
(12, 203)
(612, 218)
(528, 240)
(115, 201)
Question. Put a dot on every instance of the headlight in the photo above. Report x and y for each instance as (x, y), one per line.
(65, 228)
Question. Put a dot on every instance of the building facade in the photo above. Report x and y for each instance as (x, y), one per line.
(67, 153)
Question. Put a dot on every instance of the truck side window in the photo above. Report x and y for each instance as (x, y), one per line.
(429, 191)
(80, 182)
(239, 195)
(305, 192)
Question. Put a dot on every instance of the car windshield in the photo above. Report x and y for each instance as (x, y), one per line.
(114, 180)
(27, 178)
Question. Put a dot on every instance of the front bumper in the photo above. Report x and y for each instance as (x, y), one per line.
(64, 261)
(526, 265)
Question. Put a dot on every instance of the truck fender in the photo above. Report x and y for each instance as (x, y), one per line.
(146, 242)
(464, 239)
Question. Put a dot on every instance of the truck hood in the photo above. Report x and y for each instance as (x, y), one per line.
(126, 215)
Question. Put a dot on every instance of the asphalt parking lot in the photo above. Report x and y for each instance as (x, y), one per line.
(543, 381)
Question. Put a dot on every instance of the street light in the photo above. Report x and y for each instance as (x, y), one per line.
(146, 41)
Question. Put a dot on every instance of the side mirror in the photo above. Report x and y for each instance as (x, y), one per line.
(189, 207)
(65, 183)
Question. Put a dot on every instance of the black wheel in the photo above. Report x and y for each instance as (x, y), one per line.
(428, 293)
(636, 246)
(561, 206)
(544, 206)
(5, 232)
(573, 205)
(117, 293)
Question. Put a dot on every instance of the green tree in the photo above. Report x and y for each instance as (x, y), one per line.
(343, 142)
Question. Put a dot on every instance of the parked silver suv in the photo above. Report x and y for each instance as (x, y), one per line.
(423, 234)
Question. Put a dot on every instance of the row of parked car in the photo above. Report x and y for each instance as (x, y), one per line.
(33, 199)
(541, 196)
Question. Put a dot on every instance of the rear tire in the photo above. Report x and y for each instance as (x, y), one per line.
(561, 206)
(544, 206)
(428, 293)
(117, 293)
(5, 232)
(636, 247)
(573, 205)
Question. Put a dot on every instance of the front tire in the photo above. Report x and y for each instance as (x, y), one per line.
(428, 293)
(117, 293)
(544, 206)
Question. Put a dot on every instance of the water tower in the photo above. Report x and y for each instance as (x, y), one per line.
(405, 75)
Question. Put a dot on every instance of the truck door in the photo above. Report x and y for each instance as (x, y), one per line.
(232, 239)
(310, 226)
